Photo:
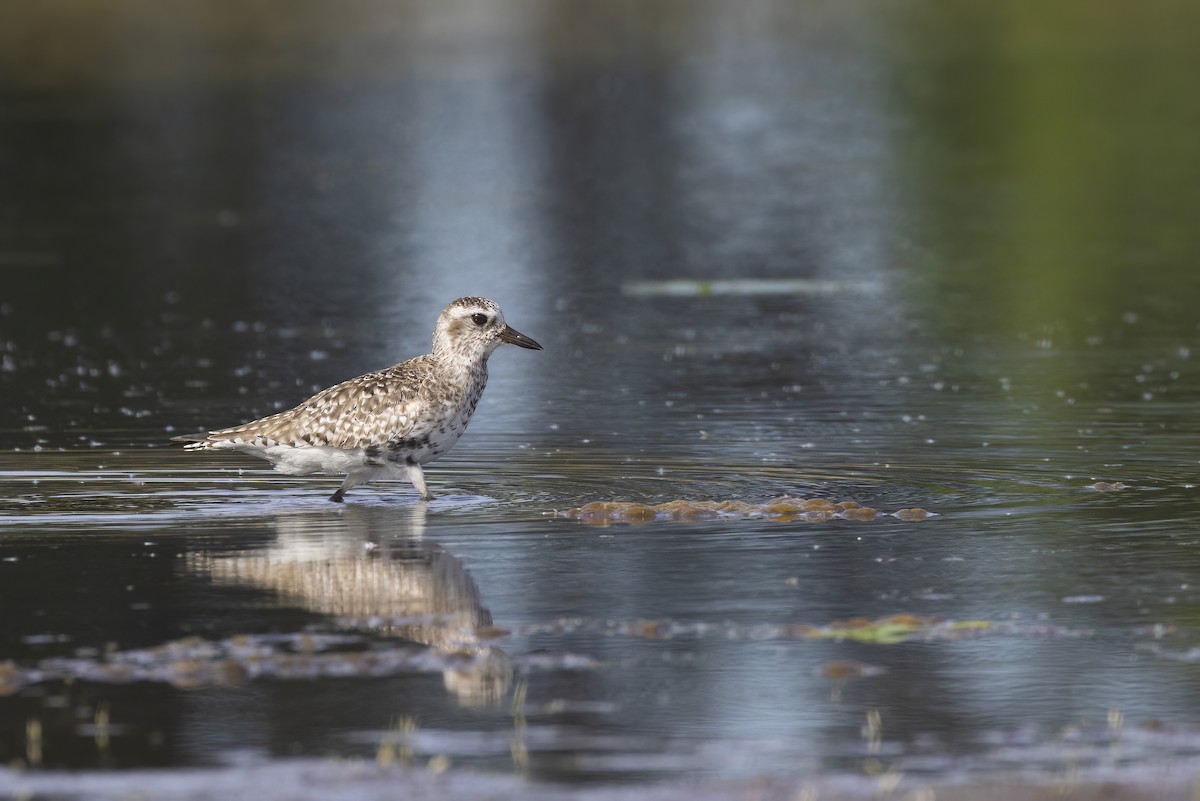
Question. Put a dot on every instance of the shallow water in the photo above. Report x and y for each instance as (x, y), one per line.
(768, 253)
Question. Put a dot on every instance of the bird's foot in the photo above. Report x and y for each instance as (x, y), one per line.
(339, 496)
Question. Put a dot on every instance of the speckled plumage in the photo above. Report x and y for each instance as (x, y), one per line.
(385, 423)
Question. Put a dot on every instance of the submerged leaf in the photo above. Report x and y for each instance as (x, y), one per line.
(848, 669)
(892, 629)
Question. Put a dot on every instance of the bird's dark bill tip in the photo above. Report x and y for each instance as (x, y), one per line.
(514, 337)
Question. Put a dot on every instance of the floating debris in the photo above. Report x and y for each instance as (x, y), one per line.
(896, 629)
(1189, 655)
(196, 662)
(11, 679)
(481, 671)
(783, 509)
(1108, 486)
(848, 670)
(887, 630)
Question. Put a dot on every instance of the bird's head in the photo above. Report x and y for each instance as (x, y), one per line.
(473, 327)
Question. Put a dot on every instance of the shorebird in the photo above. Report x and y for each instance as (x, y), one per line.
(387, 423)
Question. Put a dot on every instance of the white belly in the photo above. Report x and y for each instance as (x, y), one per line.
(308, 460)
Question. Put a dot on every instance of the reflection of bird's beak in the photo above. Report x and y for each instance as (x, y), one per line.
(514, 337)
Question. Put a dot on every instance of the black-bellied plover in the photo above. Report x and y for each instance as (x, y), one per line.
(386, 423)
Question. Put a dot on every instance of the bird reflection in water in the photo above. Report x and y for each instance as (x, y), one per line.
(369, 569)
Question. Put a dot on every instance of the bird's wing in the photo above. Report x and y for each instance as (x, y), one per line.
(359, 413)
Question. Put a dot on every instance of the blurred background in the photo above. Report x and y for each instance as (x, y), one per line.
(194, 189)
(936, 253)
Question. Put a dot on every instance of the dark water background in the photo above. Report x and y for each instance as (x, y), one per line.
(979, 221)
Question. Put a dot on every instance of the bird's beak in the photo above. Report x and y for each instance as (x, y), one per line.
(514, 337)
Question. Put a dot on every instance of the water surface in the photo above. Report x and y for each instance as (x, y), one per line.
(958, 276)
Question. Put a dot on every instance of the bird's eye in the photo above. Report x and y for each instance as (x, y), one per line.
(479, 319)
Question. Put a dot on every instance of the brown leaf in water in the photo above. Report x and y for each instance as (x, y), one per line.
(859, 513)
(818, 505)
(11, 678)
(648, 629)
(230, 673)
(638, 511)
(848, 669)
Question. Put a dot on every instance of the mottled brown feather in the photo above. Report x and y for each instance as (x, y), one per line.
(359, 413)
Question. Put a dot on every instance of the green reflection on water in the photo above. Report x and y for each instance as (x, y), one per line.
(1051, 162)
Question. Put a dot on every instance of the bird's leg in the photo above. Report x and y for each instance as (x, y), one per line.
(417, 476)
(352, 479)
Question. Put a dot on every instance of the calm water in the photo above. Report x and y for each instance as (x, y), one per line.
(960, 267)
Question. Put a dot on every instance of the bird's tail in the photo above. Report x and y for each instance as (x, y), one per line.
(201, 441)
